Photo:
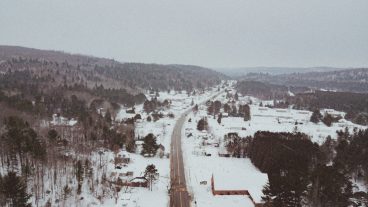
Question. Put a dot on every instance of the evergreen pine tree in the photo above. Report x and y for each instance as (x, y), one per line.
(52, 135)
(15, 190)
(316, 116)
(151, 174)
(219, 118)
(327, 119)
(202, 124)
(108, 116)
(150, 145)
(246, 110)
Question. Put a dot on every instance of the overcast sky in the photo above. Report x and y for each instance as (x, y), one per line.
(212, 33)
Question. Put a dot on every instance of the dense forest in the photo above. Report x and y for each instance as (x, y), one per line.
(49, 160)
(267, 90)
(25, 91)
(302, 173)
(44, 162)
(353, 80)
(354, 104)
(91, 71)
(41, 83)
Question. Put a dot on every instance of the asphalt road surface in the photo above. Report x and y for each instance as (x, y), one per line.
(179, 196)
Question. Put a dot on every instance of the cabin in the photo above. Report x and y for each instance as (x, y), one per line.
(262, 108)
(137, 182)
(121, 161)
(130, 110)
(126, 174)
(223, 153)
(58, 120)
(304, 112)
(232, 192)
(281, 110)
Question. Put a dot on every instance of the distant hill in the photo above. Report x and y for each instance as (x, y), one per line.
(107, 72)
(353, 80)
(238, 72)
(41, 82)
(8, 52)
(268, 91)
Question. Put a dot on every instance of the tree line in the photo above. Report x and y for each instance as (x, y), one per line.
(302, 173)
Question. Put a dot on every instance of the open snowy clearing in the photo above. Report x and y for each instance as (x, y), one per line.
(201, 149)
(229, 173)
(277, 120)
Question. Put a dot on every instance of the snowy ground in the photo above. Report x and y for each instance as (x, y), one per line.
(98, 189)
(239, 173)
(229, 173)
(140, 196)
(162, 129)
(277, 120)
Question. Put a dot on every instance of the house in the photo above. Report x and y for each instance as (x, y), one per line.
(226, 154)
(223, 152)
(333, 113)
(126, 174)
(58, 120)
(304, 112)
(130, 110)
(139, 142)
(281, 110)
(121, 161)
(148, 155)
(232, 192)
(138, 182)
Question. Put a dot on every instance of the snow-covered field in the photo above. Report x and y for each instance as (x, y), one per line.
(239, 173)
(229, 173)
(277, 120)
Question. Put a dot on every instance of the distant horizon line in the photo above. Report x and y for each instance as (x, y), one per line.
(198, 65)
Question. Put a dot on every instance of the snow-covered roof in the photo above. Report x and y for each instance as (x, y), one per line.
(62, 121)
(139, 180)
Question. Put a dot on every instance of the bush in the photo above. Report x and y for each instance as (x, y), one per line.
(150, 145)
(202, 124)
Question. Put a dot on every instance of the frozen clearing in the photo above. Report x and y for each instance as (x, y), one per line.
(277, 120)
(229, 173)
(201, 153)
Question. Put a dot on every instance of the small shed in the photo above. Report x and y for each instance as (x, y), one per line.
(139, 182)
